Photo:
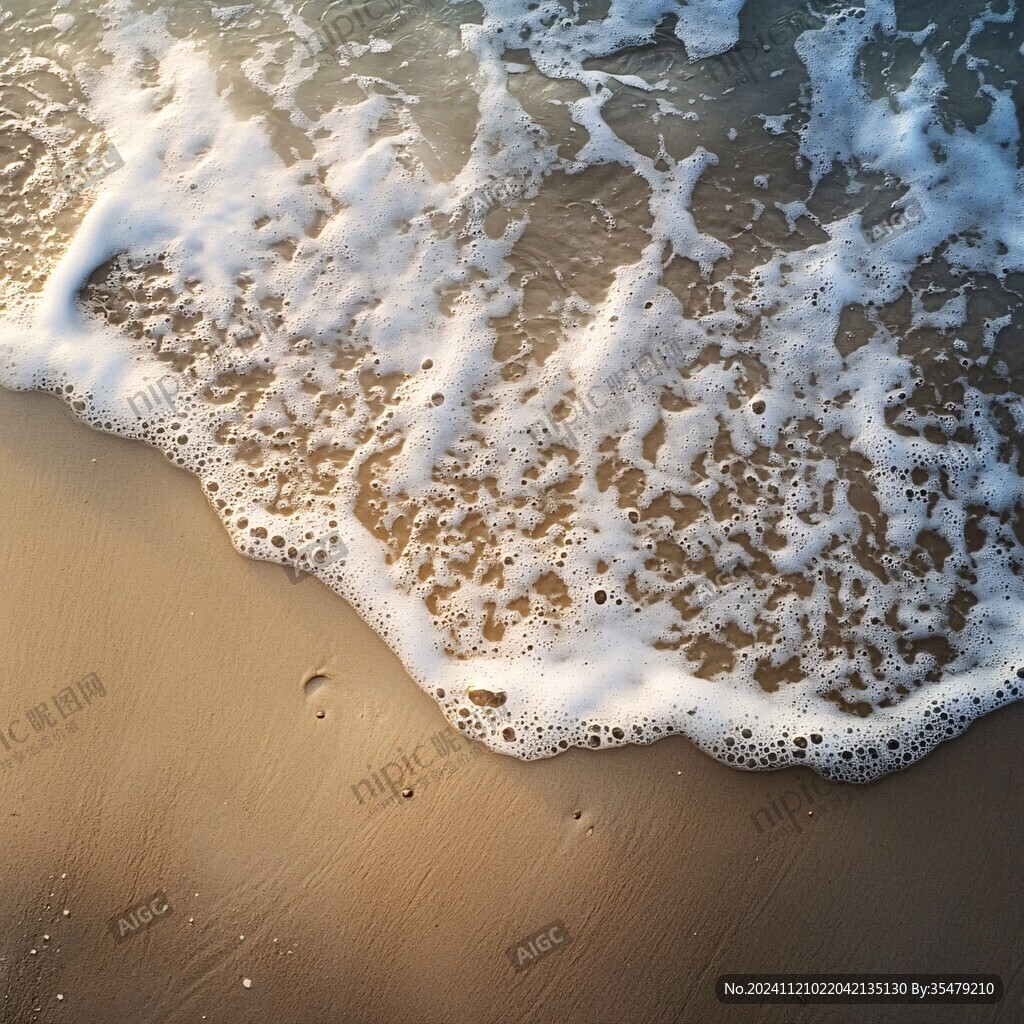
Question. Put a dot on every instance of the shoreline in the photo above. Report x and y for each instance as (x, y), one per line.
(207, 775)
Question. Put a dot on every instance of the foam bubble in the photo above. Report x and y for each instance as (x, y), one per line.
(605, 445)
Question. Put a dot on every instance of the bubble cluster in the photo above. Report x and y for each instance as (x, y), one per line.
(611, 431)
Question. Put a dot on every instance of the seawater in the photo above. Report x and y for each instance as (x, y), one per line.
(633, 369)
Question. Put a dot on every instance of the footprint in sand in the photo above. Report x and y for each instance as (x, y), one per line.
(315, 690)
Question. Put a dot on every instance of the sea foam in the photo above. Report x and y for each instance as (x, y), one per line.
(637, 388)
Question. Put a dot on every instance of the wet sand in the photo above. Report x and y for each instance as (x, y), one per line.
(204, 776)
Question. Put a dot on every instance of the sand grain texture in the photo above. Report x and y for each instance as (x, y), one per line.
(205, 770)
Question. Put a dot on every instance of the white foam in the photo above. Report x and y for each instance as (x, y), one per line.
(509, 522)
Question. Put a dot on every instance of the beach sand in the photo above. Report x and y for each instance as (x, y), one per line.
(203, 772)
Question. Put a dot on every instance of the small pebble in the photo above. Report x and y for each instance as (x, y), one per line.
(407, 793)
(66, 913)
(60, 996)
(247, 982)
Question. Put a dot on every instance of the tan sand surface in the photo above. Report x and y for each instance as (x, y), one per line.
(202, 772)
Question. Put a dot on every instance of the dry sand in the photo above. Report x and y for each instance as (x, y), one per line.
(205, 772)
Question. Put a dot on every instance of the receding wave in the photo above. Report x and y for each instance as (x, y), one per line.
(634, 369)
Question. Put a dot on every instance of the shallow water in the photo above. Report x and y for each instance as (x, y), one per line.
(633, 369)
